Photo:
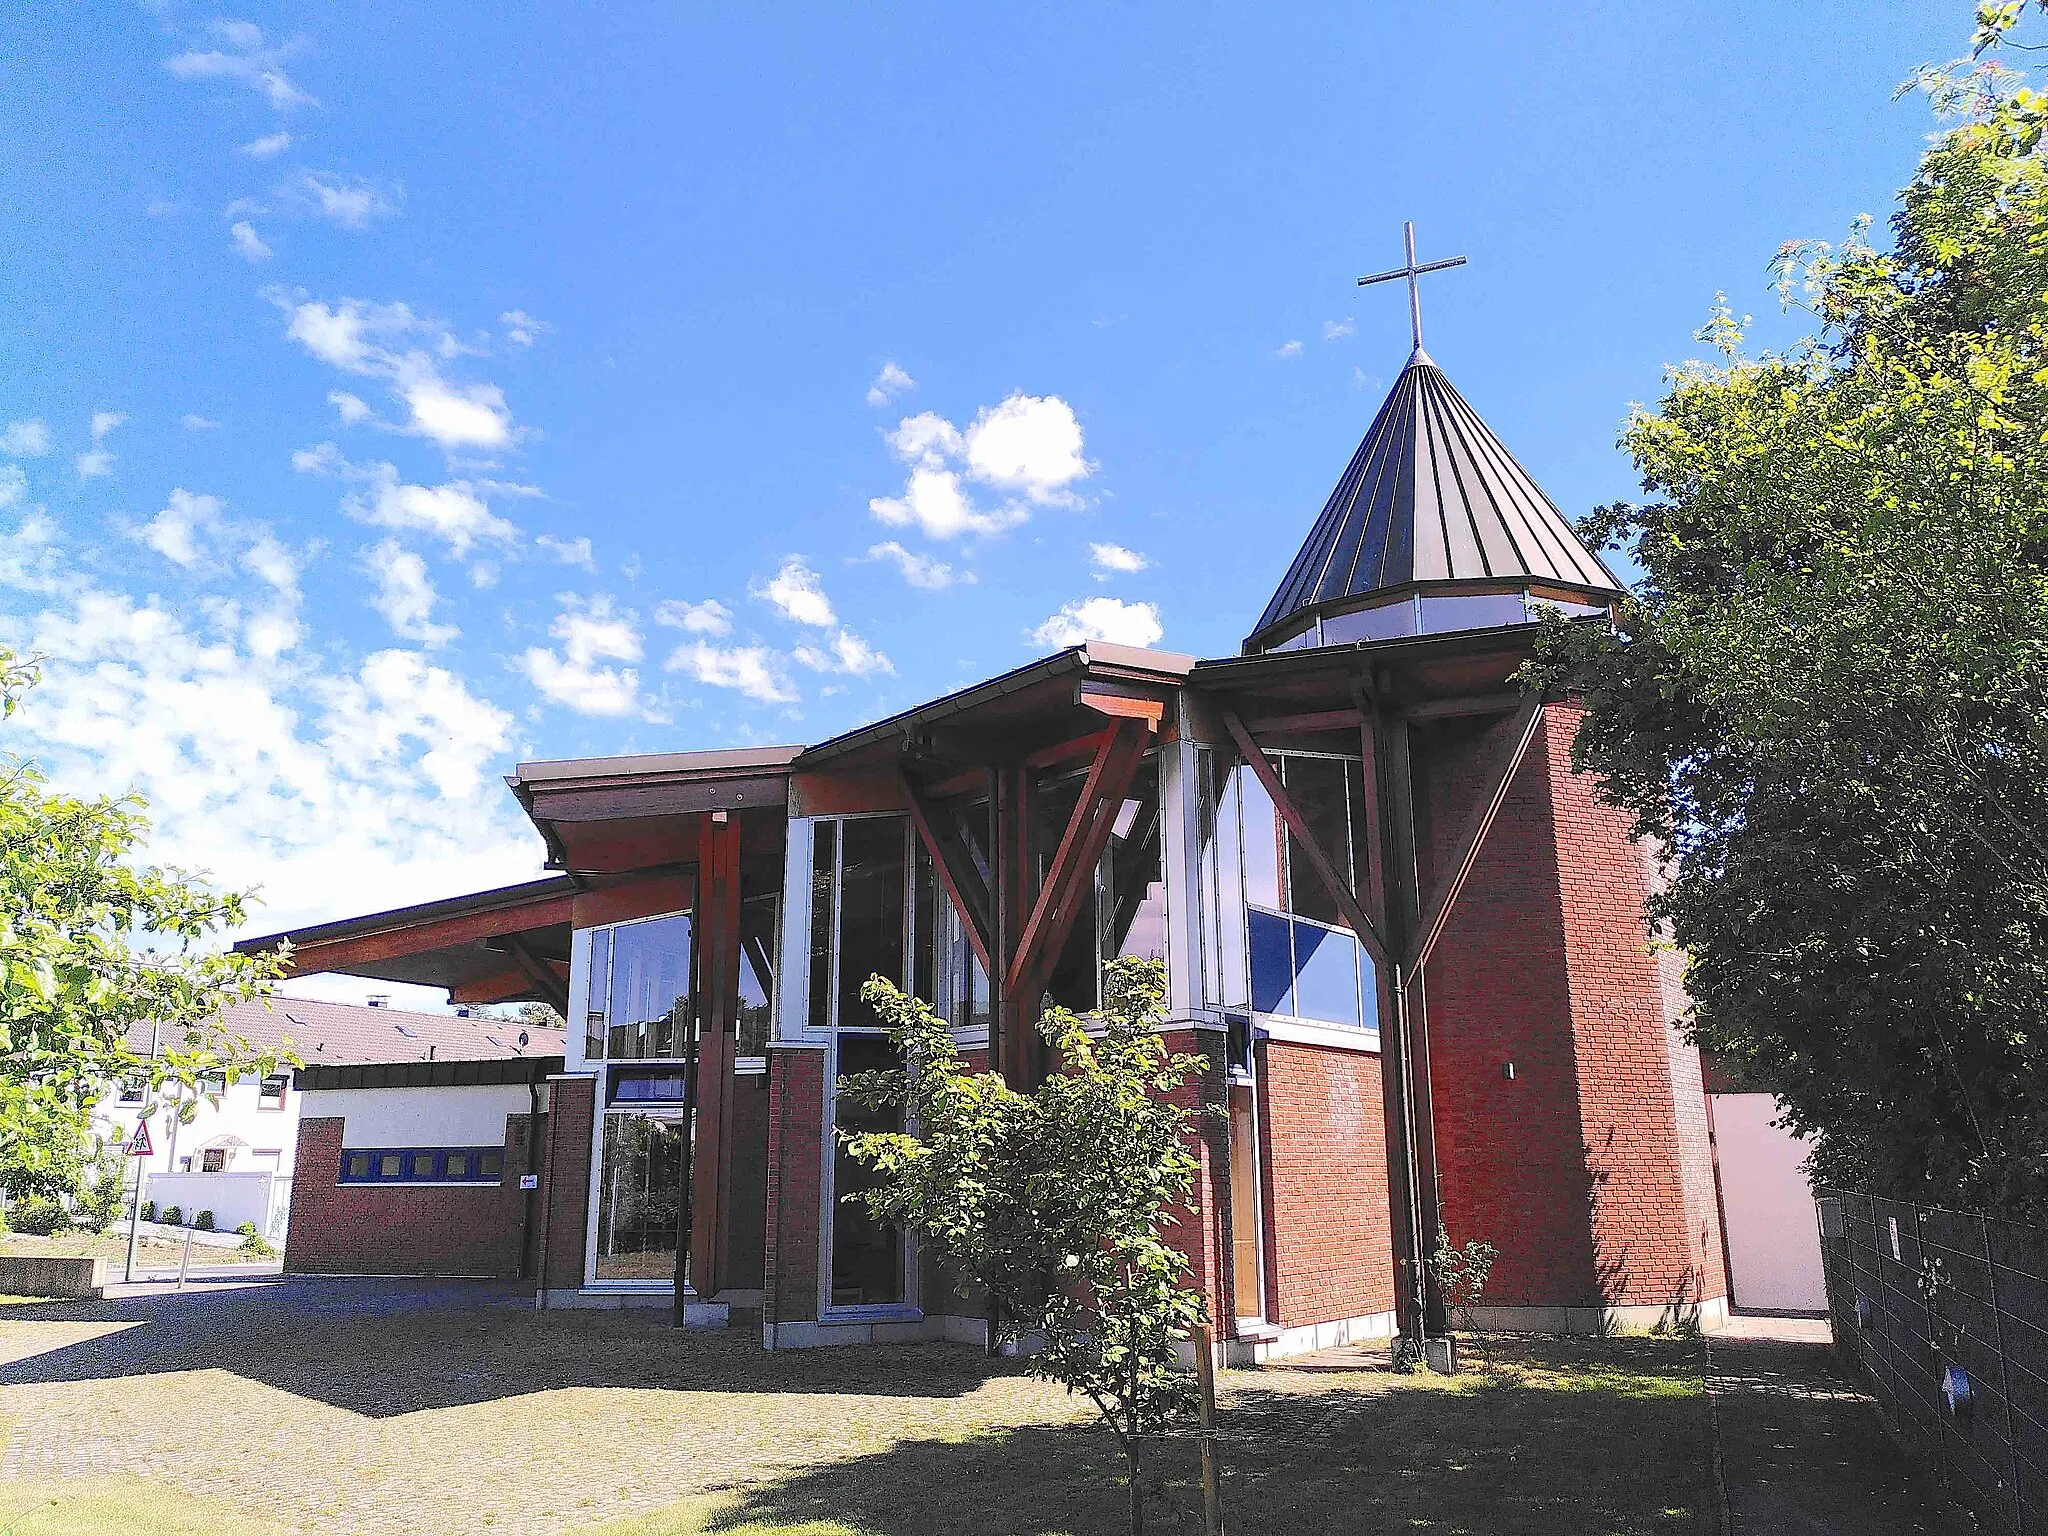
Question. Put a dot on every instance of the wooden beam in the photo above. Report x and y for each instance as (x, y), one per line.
(973, 914)
(1336, 885)
(1081, 846)
(395, 943)
(1438, 913)
(550, 984)
(1497, 703)
(1122, 703)
(1013, 1043)
(1296, 725)
(510, 985)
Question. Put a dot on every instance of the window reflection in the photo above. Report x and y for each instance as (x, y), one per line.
(642, 1207)
(639, 1001)
(759, 919)
(867, 1256)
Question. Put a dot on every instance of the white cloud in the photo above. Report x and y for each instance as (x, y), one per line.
(1288, 349)
(192, 421)
(455, 512)
(349, 201)
(350, 408)
(275, 564)
(104, 422)
(391, 343)
(25, 440)
(590, 631)
(245, 61)
(182, 529)
(1337, 330)
(100, 461)
(920, 570)
(1101, 618)
(269, 147)
(710, 617)
(846, 653)
(889, 383)
(1029, 447)
(248, 244)
(521, 329)
(748, 669)
(796, 594)
(405, 594)
(13, 485)
(568, 551)
(1029, 444)
(1114, 557)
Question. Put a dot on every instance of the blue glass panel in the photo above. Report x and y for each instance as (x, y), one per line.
(1272, 963)
(1326, 975)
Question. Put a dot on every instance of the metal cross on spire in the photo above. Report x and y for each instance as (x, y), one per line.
(1411, 271)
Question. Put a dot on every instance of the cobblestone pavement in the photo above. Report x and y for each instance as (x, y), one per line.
(284, 1399)
(1802, 1451)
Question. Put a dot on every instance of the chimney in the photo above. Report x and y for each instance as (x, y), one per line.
(462, 1012)
(379, 999)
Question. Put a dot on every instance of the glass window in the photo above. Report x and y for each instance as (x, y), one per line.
(648, 997)
(1122, 911)
(213, 1160)
(356, 1165)
(641, 1201)
(1440, 615)
(132, 1088)
(1318, 788)
(270, 1092)
(458, 1165)
(391, 1165)
(1262, 842)
(1272, 962)
(1389, 621)
(871, 910)
(759, 920)
(599, 1004)
(490, 1163)
(644, 1085)
(423, 1164)
(867, 1257)
(824, 913)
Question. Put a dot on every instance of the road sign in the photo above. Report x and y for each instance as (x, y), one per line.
(140, 1147)
(529, 1181)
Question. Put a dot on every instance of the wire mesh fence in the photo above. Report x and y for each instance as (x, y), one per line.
(1945, 1316)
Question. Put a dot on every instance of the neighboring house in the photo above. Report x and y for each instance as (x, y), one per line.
(1407, 938)
(236, 1155)
(1768, 1215)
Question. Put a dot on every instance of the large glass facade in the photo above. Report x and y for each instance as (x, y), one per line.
(640, 998)
(1123, 911)
(1422, 614)
(642, 1196)
(760, 918)
(867, 1255)
(1272, 936)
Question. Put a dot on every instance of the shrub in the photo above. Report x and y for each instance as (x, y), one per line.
(40, 1216)
(246, 1229)
(255, 1246)
(203, 1222)
(149, 1210)
(106, 1194)
(172, 1216)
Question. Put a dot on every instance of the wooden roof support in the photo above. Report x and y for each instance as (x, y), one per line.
(547, 982)
(1325, 868)
(1445, 897)
(1081, 848)
(959, 881)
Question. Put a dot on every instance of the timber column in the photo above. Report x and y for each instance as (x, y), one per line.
(711, 1081)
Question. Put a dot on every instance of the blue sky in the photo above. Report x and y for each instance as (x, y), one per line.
(388, 394)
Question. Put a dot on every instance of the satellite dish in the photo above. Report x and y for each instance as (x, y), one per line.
(523, 1038)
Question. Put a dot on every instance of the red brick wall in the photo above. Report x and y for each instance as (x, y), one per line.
(1585, 1170)
(395, 1230)
(1199, 1230)
(572, 1103)
(796, 1129)
(1329, 1254)
(746, 1197)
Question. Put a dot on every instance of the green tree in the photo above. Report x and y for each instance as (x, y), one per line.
(1057, 1201)
(1828, 699)
(92, 946)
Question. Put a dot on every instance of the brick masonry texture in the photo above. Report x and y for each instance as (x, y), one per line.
(746, 1200)
(1200, 1230)
(572, 1103)
(1329, 1251)
(372, 1229)
(796, 1149)
(1585, 1170)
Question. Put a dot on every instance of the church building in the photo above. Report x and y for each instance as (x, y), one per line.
(1408, 940)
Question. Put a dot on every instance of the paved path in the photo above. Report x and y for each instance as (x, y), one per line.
(1802, 1451)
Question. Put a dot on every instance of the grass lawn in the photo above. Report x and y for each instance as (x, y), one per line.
(150, 1252)
(593, 1426)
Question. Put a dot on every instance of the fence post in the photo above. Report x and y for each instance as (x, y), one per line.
(1928, 1297)
(1205, 1375)
(2012, 1450)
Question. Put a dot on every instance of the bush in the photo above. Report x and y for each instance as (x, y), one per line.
(246, 1229)
(254, 1245)
(172, 1217)
(203, 1222)
(149, 1210)
(106, 1194)
(40, 1216)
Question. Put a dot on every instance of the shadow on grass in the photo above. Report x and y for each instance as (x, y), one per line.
(1557, 1437)
(387, 1347)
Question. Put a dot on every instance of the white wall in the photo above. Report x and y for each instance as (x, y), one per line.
(232, 1197)
(1773, 1233)
(471, 1116)
(237, 1113)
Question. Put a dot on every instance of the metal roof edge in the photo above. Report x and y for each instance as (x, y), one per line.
(546, 889)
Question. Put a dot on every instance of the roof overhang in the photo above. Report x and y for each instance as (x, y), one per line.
(495, 1071)
(490, 946)
(612, 815)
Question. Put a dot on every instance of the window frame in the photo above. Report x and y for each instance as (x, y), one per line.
(264, 1096)
(404, 1178)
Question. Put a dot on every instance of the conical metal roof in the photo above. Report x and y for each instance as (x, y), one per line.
(1431, 495)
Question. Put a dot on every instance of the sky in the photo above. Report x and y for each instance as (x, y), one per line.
(391, 394)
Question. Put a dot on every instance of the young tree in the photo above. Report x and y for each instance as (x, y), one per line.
(1829, 698)
(92, 945)
(1059, 1200)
